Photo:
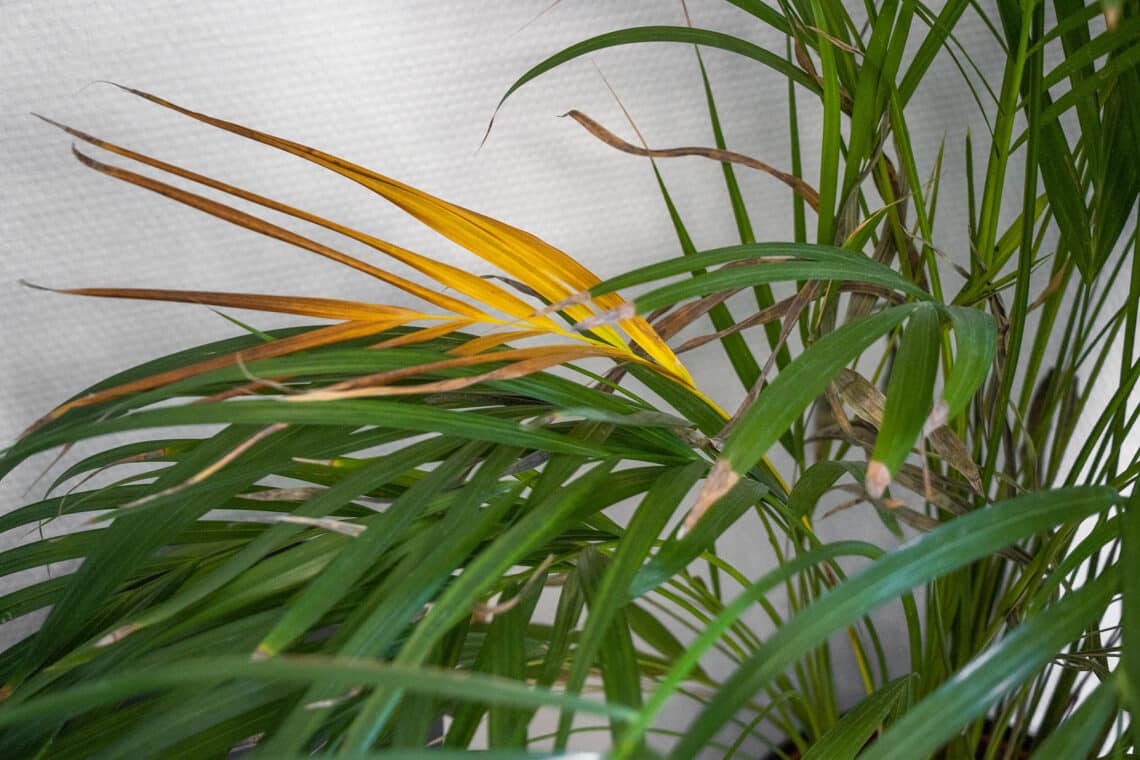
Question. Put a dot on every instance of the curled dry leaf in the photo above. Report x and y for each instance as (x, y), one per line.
(798, 186)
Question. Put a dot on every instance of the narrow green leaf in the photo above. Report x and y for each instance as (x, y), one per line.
(354, 412)
(31, 598)
(830, 140)
(678, 553)
(758, 274)
(649, 628)
(735, 197)
(185, 713)
(1082, 58)
(975, 335)
(765, 13)
(1079, 735)
(932, 45)
(1066, 193)
(875, 79)
(125, 545)
(743, 361)
(97, 500)
(969, 693)
(1089, 87)
(801, 383)
(1130, 603)
(818, 480)
(609, 594)
(435, 753)
(909, 396)
(614, 649)
(545, 520)
(389, 610)
(689, 661)
(734, 253)
(638, 35)
(570, 604)
(1119, 180)
(847, 737)
(505, 647)
(162, 450)
(374, 474)
(299, 670)
(931, 555)
(355, 559)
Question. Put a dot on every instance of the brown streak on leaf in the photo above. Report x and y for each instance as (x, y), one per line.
(846, 103)
(379, 385)
(799, 302)
(1054, 284)
(486, 612)
(322, 308)
(256, 224)
(465, 282)
(670, 324)
(302, 493)
(228, 457)
(246, 389)
(776, 311)
(312, 339)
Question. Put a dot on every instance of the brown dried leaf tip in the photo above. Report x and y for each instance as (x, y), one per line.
(719, 482)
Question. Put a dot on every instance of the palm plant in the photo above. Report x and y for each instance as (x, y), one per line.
(409, 514)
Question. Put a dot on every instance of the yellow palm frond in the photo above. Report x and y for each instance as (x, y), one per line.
(539, 270)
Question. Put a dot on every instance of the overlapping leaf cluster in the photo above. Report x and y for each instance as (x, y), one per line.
(363, 540)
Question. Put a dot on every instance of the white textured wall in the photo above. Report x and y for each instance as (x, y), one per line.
(403, 87)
